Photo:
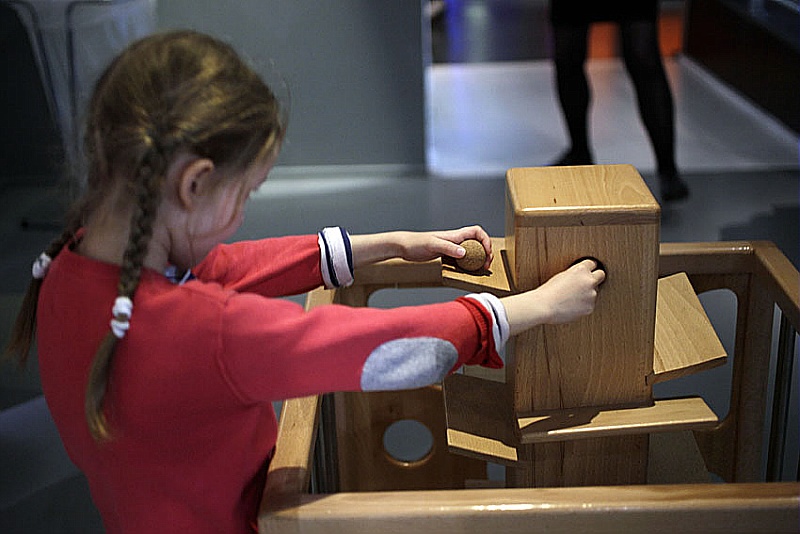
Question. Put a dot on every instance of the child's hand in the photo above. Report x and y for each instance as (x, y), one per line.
(424, 246)
(567, 296)
(572, 293)
(417, 246)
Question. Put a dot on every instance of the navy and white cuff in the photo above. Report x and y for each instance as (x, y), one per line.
(500, 327)
(336, 257)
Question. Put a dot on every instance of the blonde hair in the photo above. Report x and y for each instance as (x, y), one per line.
(169, 92)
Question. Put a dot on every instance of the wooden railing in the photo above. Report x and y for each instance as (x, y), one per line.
(756, 272)
(761, 277)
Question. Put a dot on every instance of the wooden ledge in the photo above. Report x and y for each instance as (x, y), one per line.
(397, 272)
(494, 280)
(481, 422)
(731, 508)
(689, 413)
(685, 341)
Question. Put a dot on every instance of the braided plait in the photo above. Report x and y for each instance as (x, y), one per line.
(148, 196)
(150, 177)
(24, 330)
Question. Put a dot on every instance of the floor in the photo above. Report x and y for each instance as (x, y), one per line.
(491, 108)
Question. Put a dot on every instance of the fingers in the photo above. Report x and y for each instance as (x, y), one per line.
(479, 234)
(593, 267)
(599, 276)
(449, 248)
(462, 234)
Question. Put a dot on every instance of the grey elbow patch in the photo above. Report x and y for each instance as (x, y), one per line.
(408, 363)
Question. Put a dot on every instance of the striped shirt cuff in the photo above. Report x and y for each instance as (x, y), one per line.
(500, 327)
(336, 260)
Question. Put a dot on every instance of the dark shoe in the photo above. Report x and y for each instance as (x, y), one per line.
(570, 158)
(673, 188)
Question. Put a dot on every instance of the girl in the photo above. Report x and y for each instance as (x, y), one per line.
(161, 388)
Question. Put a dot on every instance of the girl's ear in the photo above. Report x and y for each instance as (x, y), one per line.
(193, 181)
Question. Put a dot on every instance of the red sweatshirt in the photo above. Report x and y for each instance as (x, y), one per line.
(189, 398)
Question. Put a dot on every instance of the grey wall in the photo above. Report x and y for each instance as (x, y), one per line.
(30, 146)
(354, 69)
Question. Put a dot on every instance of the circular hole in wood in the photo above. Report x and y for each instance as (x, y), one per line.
(408, 442)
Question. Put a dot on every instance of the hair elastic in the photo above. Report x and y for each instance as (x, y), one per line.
(41, 265)
(123, 307)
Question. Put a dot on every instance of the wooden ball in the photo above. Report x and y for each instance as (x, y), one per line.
(475, 256)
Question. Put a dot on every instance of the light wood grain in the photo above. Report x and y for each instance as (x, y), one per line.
(480, 419)
(554, 217)
(663, 416)
(481, 423)
(781, 279)
(400, 272)
(480, 446)
(601, 359)
(726, 257)
(365, 465)
(685, 340)
(760, 276)
(290, 469)
(750, 382)
(668, 509)
(597, 195)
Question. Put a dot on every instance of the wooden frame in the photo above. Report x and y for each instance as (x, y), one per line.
(758, 274)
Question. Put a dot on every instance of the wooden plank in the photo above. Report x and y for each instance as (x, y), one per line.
(706, 258)
(685, 340)
(290, 468)
(667, 509)
(480, 447)
(583, 423)
(480, 419)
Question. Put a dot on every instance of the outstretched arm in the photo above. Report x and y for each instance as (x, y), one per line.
(566, 297)
(416, 246)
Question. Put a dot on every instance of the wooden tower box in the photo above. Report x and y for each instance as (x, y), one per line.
(554, 217)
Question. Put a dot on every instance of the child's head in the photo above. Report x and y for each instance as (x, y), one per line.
(173, 93)
(167, 98)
